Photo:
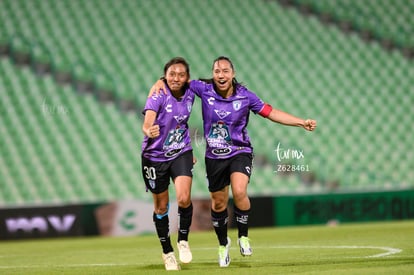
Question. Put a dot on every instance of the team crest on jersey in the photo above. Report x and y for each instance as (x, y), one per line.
(152, 183)
(222, 113)
(180, 118)
(189, 106)
(237, 105)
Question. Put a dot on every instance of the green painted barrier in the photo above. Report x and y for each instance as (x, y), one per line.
(343, 207)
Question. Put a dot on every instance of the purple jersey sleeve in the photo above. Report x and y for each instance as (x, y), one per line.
(152, 104)
(255, 103)
(198, 87)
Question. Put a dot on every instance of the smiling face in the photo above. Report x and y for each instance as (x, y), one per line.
(223, 75)
(176, 76)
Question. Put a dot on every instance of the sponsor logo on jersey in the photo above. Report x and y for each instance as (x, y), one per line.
(222, 113)
(180, 118)
(221, 151)
(155, 96)
(172, 153)
(175, 136)
(168, 108)
(219, 132)
(248, 169)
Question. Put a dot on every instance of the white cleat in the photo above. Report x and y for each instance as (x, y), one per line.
(184, 251)
(170, 261)
(224, 257)
(244, 245)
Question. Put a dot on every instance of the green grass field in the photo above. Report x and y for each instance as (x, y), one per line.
(368, 248)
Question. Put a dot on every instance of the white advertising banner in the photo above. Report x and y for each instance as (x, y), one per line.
(129, 218)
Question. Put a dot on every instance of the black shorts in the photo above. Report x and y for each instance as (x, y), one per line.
(219, 170)
(157, 174)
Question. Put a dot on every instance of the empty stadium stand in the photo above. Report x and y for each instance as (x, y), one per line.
(75, 74)
(389, 22)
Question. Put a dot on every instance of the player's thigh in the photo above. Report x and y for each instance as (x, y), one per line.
(182, 186)
(240, 171)
(239, 182)
(161, 202)
(181, 173)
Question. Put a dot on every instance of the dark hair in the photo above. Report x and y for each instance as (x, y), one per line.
(223, 58)
(234, 81)
(177, 60)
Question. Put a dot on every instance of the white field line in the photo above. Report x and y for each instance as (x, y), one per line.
(387, 252)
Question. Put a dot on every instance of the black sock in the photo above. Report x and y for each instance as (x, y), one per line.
(242, 220)
(162, 227)
(185, 216)
(220, 220)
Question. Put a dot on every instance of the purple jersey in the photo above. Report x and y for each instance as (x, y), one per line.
(172, 118)
(226, 119)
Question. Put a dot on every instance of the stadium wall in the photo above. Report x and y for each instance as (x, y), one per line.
(127, 218)
(343, 207)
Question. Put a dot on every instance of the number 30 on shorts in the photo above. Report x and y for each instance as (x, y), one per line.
(150, 173)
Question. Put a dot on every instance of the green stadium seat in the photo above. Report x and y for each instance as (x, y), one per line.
(292, 61)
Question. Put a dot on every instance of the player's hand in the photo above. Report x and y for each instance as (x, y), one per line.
(194, 160)
(310, 124)
(153, 131)
(157, 88)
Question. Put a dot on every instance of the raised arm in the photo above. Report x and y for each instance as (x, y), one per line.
(291, 120)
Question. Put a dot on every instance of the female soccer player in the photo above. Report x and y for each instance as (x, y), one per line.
(167, 153)
(226, 106)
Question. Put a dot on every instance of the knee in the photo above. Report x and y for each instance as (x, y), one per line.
(161, 210)
(183, 200)
(218, 204)
(239, 195)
